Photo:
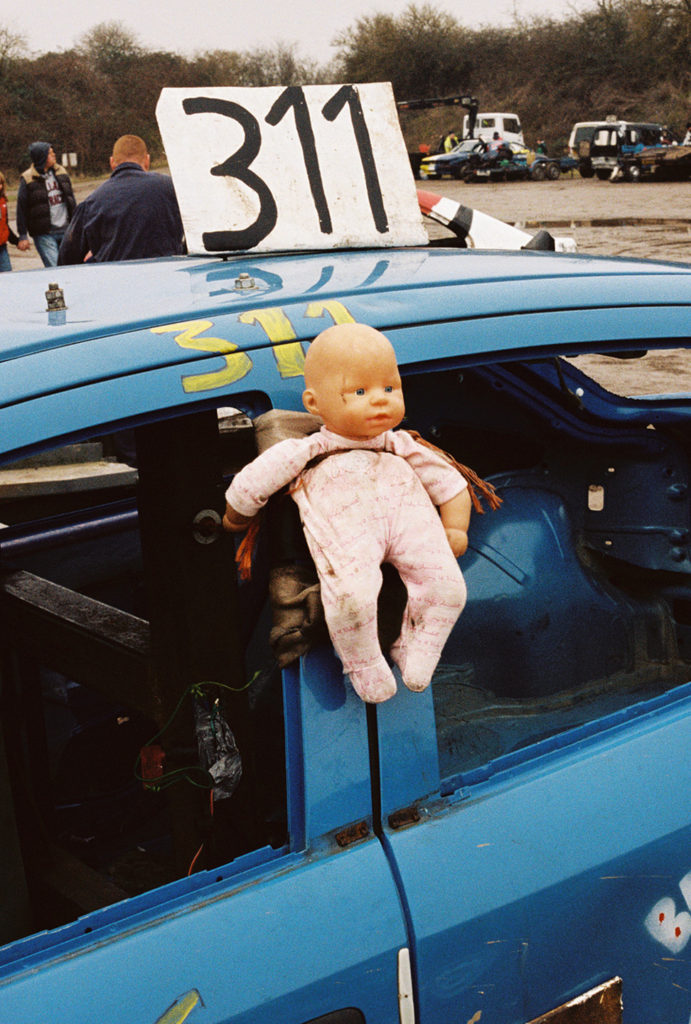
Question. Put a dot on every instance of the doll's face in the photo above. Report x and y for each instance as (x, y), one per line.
(356, 388)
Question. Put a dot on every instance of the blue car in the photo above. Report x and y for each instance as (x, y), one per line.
(511, 845)
(452, 163)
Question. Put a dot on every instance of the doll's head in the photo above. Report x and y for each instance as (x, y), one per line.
(352, 382)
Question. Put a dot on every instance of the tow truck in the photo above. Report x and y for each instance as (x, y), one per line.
(465, 102)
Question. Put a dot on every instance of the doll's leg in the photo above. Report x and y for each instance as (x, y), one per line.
(436, 597)
(347, 535)
(350, 609)
(433, 608)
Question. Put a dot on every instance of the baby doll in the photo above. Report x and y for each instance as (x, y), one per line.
(374, 499)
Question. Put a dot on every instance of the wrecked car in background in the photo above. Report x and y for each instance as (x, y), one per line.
(439, 164)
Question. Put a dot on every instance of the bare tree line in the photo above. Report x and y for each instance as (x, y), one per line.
(624, 57)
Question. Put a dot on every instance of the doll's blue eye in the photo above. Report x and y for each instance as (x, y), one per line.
(388, 388)
(359, 391)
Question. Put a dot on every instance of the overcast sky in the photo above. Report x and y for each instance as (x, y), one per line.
(189, 26)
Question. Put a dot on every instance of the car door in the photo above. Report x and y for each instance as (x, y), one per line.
(528, 889)
(296, 936)
(534, 800)
(302, 919)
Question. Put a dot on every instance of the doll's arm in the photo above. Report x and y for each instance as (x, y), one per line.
(455, 517)
(233, 521)
(267, 473)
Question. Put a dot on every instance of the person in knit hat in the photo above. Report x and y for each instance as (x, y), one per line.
(45, 203)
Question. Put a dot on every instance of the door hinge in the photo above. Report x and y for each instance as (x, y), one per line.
(404, 816)
(352, 834)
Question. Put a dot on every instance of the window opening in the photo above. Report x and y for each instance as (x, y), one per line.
(119, 686)
(578, 584)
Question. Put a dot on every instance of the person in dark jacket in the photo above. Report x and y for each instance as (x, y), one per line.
(45, 203)
(132, 215)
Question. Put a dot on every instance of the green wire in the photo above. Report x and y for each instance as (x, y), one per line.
(168, 778)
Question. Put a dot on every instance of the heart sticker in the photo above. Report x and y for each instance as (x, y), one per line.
(671, 929)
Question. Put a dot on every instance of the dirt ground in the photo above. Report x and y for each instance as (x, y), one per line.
(649, 220)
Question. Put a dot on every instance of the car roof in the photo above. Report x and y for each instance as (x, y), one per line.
(629, 124)
(465, 146)
(496, 113)
(135, 334)
(588, 124)
(117, 298)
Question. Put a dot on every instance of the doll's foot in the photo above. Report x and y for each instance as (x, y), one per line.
(415, 671)
(417, 683)
(375, 683)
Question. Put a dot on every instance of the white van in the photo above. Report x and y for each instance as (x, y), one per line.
(582, 131)
(486, 124)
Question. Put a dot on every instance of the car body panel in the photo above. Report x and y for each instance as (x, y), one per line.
(176, 357)
(137, 970)
(525, 871)
(165, 387)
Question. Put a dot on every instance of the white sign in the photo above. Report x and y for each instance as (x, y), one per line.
(302, 167)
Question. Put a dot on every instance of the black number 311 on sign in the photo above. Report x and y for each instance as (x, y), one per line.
(239, 164)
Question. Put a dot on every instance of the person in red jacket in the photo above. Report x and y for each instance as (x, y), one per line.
(6, 232)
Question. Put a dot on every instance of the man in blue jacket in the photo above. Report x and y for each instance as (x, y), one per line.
(132, 215)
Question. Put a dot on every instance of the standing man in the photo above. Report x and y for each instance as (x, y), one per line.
(45, 203)
(131, 216)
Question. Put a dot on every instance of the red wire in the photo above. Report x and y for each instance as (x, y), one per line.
(211, 811)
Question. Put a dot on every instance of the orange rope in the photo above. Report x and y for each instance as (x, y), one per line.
(245, 551)
(475, 483)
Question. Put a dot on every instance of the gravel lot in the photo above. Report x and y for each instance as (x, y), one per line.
(651, 220)
(644, 220)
